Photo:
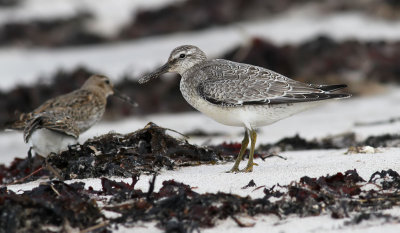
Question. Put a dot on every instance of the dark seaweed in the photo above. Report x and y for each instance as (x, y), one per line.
(175, 17)
(144, 151)
(150, 149)
(177, 208)
(47, 32)
(357, 219)
(51, 204)
(332, 142)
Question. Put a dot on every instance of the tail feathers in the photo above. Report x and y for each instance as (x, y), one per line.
(31, 126)
(18, 124)
(338, 96)
(15, 125)
(328, 89)
(332, 88)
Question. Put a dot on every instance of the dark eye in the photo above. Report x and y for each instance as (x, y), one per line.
(182, 55)
(107, 81)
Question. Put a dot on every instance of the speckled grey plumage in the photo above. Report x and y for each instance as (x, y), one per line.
(225, 84)
(238, 94)
(230, 83)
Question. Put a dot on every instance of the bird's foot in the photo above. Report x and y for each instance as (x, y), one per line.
(234, 169)
(249, 167)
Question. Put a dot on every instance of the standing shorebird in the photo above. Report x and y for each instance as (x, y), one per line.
(238, 94)
(58, 122)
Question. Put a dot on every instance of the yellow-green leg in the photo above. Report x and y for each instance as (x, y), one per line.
(253, 138)
(245, 143)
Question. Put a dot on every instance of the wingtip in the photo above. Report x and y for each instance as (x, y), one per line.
(332, 88)
(345, 96)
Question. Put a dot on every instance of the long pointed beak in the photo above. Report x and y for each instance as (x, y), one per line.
(163, 69)
(125, 98)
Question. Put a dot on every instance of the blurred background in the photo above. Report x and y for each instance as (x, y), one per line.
(48, 47)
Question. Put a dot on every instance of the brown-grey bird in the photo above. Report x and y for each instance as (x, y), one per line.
(59, 121)
(241, 95)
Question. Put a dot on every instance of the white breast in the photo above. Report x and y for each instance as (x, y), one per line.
(45, 142)
(250, 116)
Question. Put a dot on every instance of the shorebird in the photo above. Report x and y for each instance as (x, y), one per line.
(57, 123)
(242, 95)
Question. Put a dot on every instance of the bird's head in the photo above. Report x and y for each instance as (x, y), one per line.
(100, 83)
(180, 60)
(103, 85)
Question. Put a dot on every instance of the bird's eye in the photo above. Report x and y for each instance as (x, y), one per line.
(107, 81)
(182, 55)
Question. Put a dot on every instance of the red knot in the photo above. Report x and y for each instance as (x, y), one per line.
(242, 95)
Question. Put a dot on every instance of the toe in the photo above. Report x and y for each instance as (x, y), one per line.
(247, 169)
(233, 170)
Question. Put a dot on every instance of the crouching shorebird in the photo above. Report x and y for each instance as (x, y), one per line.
(238, 94)
(57, 123)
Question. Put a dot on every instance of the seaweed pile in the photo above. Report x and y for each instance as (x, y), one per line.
(176, 207)
(50, 33)
(144, 151)
(176, 17)
(152, 148)
(56, 206)
(198, 14)
(9, 3)
(323, 60)
(340, 141)
(52, 207)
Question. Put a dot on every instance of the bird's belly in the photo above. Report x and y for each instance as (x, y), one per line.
(45, 142)
(251, 116)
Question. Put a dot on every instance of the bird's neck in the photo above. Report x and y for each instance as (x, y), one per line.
(190, 80)
(97, 93)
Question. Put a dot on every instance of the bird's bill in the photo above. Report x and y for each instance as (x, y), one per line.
(163, 69)
(125, 98)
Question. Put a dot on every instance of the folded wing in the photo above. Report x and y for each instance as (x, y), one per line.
(53, 120)
(242, 84)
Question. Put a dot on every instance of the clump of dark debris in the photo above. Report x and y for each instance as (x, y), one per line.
(50, 33)
(152, 148)
(298, 143)
(177, 208)
(175, 17)
(321, 60)
(339, 141)
(198, 14)
(51, 207)
(9, 3)
(143, 151)
(386, 140)
(384, 218)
